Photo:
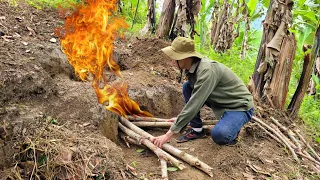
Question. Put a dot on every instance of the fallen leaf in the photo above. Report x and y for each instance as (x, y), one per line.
(248, 176)
(140, 150)
(31, 31)
(85, 124)
(172, 169)
(24, 43)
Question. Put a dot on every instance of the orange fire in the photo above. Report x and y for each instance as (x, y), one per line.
(87, 39)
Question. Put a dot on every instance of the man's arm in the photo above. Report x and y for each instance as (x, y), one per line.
(206, 82)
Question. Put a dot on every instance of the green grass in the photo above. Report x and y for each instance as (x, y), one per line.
(40, 4)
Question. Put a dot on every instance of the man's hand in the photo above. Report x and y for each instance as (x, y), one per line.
(160, 140)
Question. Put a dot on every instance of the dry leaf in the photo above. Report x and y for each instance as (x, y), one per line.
(31, 31)
(248, 176)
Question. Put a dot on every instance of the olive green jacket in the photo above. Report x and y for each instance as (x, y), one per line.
(215, 84)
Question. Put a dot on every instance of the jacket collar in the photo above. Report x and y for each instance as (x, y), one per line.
(194, 66)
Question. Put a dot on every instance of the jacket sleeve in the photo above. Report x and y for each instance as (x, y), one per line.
(206, 82)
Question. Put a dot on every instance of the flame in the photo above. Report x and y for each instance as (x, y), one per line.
(87, 39)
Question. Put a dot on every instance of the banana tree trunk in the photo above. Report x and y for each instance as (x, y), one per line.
(166, 18)
(276, 54)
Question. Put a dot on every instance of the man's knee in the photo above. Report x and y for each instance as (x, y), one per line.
(221, 136)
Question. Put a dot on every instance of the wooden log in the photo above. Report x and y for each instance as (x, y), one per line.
(193, 161)
(165, 124)
(164, 169)
(139, 118)
(159, 152)
(278, 135)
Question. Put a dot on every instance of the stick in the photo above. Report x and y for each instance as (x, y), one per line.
(138, 118)
(308, 145)
(308, 157)
(289, 133)
(193, 161)
(279, 136)
(128, 140)
(159, 152)
(283, 136)
(165, 124)
(164, 169)
(270, 134)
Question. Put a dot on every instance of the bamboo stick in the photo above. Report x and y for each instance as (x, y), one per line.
(164, 169)
(165, 124)
(289, 133)
(278, 135)
(159, 152)
(193, 161)
(270, 134)
(139, 118)
(283, 136)
(308, 145)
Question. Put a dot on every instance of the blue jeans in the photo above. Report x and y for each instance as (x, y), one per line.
(229, 125)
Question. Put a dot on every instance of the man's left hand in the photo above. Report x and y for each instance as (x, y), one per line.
(160, 140)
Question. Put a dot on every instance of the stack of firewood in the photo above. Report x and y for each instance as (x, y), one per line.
(293, 140)
(168, 153)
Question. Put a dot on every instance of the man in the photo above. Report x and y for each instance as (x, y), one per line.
(213, 84)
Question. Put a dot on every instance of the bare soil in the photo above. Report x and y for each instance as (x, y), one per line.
(37, 83)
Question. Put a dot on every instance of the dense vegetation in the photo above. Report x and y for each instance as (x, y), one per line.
(306, 17)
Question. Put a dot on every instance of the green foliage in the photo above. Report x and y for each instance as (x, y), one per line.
(51, 3)
(310, 113)
(129, 8)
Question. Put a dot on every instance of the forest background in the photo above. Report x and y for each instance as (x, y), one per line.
(241, 59)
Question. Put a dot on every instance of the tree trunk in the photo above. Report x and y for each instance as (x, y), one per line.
(166, 18)
(272, 54)
(187, 10)
(151, 19)
(215, 18)
(316, 70)
(309, 60)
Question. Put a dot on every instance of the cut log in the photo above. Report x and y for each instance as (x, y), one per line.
(193, 161)
(159, 152)
(166, 124)
(164, 169)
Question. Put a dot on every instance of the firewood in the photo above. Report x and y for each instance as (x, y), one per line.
(270, 134)
(159, 152)
(308, 145)
(165, 124)
(139, 118)
(278, 135)
(288, 132)
(193, 161)
(164, 169)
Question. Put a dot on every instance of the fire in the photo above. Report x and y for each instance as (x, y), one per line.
(87, 39)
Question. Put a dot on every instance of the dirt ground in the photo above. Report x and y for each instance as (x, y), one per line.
(37, 83)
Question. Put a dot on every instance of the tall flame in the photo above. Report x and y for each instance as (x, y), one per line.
(87, 39)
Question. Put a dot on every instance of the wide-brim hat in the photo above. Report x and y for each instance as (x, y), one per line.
(181, 48)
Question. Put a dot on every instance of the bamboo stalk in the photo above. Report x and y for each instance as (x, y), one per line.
(283, 136)
(159, 152)
(165, 124)
(289, 133)
(278, 135)
(308, 157)
(128, 140)
(164, 169)
(139, 118)
(308, 145)
(193, 161)
(270, 134)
